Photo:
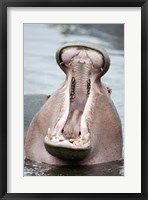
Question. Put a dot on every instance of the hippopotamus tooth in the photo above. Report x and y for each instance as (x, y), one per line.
(49, 133)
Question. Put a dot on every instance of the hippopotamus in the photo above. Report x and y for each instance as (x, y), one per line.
(78, 124)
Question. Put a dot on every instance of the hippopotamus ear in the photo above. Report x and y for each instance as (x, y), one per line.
(88, 45)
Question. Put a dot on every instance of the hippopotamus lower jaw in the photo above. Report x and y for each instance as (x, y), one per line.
(70, 138)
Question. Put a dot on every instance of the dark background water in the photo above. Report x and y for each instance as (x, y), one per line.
(42, 76)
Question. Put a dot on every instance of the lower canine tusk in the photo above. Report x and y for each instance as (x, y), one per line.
(49, 133)
(86, 137)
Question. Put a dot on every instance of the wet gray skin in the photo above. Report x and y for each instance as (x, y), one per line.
(78, 123)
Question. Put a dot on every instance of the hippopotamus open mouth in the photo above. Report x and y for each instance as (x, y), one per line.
(83, 64)
(79, 122)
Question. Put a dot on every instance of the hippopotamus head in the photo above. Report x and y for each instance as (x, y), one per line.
(79, 122)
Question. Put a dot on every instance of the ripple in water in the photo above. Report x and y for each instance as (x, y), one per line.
(115, 168)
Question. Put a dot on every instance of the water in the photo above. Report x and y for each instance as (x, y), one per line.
(42, 75)
(32, 168)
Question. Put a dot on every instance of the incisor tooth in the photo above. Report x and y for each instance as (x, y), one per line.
(72, 140)
(81, 61)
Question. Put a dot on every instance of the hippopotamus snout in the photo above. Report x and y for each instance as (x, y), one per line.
(79, 121)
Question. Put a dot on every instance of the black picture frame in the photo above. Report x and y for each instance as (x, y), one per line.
(4, 4)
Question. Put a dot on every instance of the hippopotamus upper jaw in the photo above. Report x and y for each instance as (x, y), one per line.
(71, 135)
(84, 45)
